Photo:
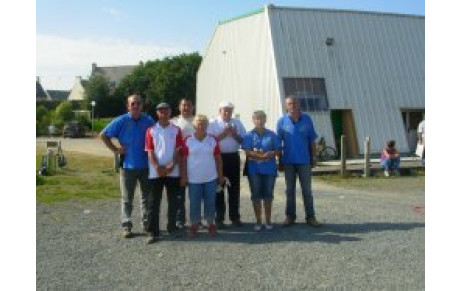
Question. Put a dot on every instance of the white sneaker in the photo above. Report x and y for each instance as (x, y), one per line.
(257, 227)
(269, 226)
(386, 173)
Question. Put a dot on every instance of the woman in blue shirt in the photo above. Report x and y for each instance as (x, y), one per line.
(262, 146)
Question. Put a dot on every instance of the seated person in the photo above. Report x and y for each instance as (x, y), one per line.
(390, 158)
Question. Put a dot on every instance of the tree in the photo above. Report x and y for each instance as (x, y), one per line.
(98, 90)
(63, 113)
(167, 80)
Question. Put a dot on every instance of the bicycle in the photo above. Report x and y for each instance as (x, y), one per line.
(325, 152)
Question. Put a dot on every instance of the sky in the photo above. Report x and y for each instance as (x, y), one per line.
(71, 35)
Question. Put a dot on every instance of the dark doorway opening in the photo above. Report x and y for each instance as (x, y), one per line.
(411, 119)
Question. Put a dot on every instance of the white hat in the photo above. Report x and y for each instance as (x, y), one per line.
(225, 104)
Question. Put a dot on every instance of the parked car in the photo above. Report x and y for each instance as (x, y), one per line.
(73, 129)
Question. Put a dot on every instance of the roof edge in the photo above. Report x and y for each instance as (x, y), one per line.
(257, 11)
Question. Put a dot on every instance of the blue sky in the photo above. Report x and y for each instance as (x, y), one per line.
(70, 35)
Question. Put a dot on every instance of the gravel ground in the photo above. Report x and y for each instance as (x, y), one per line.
(370, 240)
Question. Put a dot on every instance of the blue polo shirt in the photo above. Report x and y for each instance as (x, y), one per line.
(131, 134)
(268, 141)
(296, 138)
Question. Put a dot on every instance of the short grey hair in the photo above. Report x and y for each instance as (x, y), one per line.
(259, 113)
(200, 118)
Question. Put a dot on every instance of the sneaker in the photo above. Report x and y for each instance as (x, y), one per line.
(237, 223)
(152, 239)
(180, 225)
(269, 226)
(201, 225)
(288, 222)
(193, 231)
(127, 233)
(212, 229)
(257, 227)
(313, 222)
(386, 173)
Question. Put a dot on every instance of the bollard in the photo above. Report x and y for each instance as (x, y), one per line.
(343, 160)
(367, 157)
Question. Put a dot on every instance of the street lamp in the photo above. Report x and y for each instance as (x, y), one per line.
(93, 103)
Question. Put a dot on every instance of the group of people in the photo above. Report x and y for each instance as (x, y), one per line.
(202, 155)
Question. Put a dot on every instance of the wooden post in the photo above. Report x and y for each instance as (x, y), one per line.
(343, 160)
(367, 157)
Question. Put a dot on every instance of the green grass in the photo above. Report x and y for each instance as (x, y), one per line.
(84, 177)
(374, 182)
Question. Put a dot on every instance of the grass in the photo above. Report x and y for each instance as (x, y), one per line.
(416, 179)
(84, 177)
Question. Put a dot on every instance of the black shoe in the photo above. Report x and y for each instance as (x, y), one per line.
(180, 225)
(152, 239)
(288, 222)
(237, 223)
(127, 233)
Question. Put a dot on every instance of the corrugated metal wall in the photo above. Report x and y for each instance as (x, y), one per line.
(375, 66)
(238, 66)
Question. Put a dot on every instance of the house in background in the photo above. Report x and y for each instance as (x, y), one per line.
(77, 93)
(58, 95)
(40, 92)
(355, 73)
(113, 74)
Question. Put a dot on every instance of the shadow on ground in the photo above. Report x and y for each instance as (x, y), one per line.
(328, 233)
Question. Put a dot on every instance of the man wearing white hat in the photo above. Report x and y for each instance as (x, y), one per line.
(229, 132)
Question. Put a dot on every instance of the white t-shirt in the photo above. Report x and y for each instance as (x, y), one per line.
(185, 124)
(164, 141)
(201, 166)
(228, 144)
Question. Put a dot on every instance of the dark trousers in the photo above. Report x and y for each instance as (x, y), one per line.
(154, 203)
(180, 214)
(231, 166)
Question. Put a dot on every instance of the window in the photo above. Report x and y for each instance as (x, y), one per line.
(310, 92)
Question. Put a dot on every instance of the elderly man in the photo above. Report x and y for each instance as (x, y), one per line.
(129, 129)
(298, 134)
(185, 122)
(163, 142)
(229, 132)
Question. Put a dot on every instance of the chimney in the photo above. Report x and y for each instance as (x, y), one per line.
(93, 67)
(78, 79)
(38, 79)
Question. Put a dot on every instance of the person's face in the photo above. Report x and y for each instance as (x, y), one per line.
(292, 105)
(201, 126)
(226, 113)
(164, 114)
(186, 108)
(259, 121)
(134, 105)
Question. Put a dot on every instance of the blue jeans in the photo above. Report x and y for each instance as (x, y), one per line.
(291, 171)
(261, 186)
(391, 164)
(202, 192)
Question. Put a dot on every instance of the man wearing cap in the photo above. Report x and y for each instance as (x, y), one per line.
(129, 129)
(163, 142)
(185, 122)
(298, 135)
(229, 132)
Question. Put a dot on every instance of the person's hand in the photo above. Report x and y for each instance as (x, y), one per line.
(161, 171)
(169, 167)
(280, 167)
(183, 181)
(121, 150)
(221, 180)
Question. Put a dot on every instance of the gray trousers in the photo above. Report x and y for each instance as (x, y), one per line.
(128, 183)
(303, 171)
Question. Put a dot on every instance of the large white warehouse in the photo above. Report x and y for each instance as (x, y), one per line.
(356, 73)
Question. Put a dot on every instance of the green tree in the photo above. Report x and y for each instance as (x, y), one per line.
(63, 113)
(98, 90)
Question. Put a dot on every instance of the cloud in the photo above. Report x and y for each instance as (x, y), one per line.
(115, 13)
(61, 59)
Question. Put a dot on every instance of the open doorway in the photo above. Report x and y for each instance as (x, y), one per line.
(343, 123)
(412, 118)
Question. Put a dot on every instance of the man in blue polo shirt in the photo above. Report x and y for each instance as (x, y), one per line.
(129, 129)
(298, 134)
